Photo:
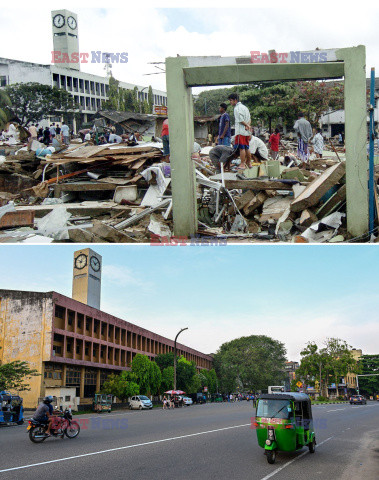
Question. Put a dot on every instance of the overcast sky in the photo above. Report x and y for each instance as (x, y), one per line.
(292, 293)
(148, 33)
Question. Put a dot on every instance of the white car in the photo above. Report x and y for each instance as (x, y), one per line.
(140, 402)
(187, 401)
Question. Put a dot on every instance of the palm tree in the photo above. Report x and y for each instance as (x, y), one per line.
(5, 104)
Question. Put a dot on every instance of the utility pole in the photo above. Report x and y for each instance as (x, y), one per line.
(175, 354)
(140, 102)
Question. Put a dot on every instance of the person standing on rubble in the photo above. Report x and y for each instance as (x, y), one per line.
(318, 142)
(46, 136)
(242, 130)
(58, 133)
(224, 131)
(304, 132)
(65, 133)
(166, 141)
(33, 133)
(274, 142)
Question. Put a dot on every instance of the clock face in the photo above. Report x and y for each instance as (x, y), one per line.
(80, 261)
(58, 21)
(71, 22)
(95, 263)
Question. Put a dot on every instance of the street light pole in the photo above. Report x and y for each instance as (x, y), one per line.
(182, 330)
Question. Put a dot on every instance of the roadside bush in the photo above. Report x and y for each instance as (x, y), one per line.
(340, 398)
(322, 399)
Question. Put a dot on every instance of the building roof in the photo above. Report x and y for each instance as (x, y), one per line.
(295, 396)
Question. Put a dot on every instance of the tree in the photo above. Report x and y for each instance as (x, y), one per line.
(185, 371)
(147, 373)
(5, 107)
(150, 99)
(211, 380)
(326, 365)
(113, 102)
(369, 364)
(32, 102)
(253, 363)
(15, 375)
(164, 360)
(168, 378)
(121, 386)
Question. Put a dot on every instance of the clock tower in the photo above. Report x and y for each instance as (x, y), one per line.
(65, 34)
(86, 282)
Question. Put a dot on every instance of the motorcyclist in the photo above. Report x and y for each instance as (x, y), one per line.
(44, 412)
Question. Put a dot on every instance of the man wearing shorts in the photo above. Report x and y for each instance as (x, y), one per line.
(165, 140)
(242, 130)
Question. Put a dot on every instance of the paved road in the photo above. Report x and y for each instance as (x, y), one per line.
(205, 442)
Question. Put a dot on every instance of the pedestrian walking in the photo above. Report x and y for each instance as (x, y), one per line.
(224, 131)
(172, 402)
(304, 132)
(164, 402)
(242, 130)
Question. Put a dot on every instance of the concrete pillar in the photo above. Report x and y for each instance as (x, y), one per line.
(98, 380)
(82, 376)
(355, 139)
(180, 117)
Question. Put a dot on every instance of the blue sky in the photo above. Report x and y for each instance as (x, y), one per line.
(292, 293)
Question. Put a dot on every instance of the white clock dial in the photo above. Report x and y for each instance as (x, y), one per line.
(71, 22)
(95, 263)
(81, 261)
(58, 20)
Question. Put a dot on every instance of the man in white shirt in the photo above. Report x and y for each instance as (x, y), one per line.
(242, 130)
(65, 133)
(258, 149)
(318, 142)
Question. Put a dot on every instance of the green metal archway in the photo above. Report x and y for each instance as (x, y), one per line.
(182, 73)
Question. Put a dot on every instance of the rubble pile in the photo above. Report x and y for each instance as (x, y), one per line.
(119, 193)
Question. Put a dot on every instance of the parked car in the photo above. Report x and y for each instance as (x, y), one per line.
(187, 401)
(358, 399)
(140, 402)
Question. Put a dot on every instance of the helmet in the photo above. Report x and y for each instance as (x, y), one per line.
(48, 399)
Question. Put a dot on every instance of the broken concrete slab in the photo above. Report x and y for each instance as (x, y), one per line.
(332, 203)
(17, 219)
(315, 190)
(273, 208)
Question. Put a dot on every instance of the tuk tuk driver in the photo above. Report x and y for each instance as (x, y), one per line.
(44, 412)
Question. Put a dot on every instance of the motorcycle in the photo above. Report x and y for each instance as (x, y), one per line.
(62, 424)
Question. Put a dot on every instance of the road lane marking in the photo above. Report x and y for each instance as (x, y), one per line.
(124, 448)
(335, 410)
(291, 461)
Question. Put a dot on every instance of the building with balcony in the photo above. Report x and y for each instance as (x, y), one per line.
(72, 344)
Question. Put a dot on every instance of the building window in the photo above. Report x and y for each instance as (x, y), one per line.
(59, 311)
(3, 81)
(67, 398)
(73, 376)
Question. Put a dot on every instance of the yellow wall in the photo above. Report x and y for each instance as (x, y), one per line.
(25, 335)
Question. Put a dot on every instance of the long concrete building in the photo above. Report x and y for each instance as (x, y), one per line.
(72, 344)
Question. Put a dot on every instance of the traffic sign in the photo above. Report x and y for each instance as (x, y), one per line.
(299, 384)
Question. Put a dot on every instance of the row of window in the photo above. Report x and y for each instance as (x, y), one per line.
(79, 85)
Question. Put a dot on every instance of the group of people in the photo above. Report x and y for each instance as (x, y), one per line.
(171, 401)
(53, 135)
(248, 147)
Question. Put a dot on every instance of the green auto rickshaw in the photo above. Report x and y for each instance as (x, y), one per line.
(284, 423)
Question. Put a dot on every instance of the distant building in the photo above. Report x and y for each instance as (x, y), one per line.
(290, 370)
(348, 383)
(333, 122)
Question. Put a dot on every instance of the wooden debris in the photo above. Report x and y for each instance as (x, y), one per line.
(317, 189)
(307, 218)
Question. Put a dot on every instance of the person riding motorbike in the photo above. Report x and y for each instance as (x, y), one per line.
(44, 412)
